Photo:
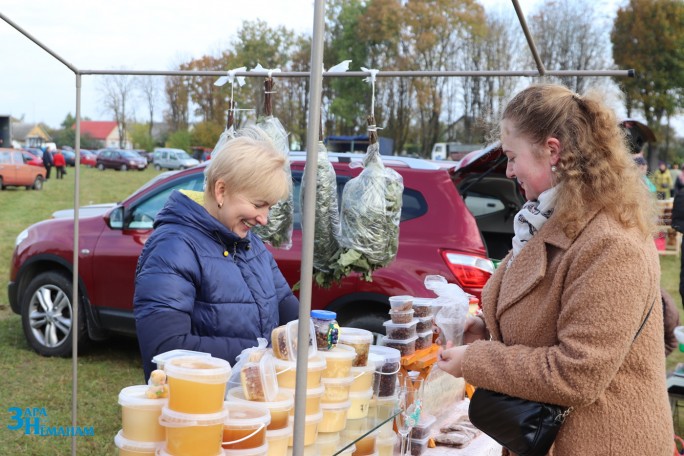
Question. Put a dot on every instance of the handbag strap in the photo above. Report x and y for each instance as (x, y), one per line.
(645, 320)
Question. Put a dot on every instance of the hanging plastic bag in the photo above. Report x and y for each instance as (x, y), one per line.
(451, 318)
(371, 211)
(326, 218)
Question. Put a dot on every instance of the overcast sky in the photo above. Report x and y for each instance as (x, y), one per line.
(126, 34)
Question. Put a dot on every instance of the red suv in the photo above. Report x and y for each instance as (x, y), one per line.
(438, 235)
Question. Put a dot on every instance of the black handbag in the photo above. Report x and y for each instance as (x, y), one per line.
(527, 428)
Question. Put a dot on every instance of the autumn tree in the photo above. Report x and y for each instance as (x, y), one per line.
(178, 101)
(648, 36)
(210, 101)
(149, 92)
(117, 98)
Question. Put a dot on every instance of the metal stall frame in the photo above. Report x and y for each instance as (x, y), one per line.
(315, 76)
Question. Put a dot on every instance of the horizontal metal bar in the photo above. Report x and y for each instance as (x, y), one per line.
(363, 74)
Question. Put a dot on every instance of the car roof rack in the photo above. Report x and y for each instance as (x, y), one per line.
(390, 160)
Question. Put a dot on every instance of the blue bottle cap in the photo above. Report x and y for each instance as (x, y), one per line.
(323, 314)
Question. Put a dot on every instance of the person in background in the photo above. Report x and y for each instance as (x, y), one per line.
(643, 170)
(663, 181)
(60, 163)
(47, 162)
(204, 282)
(554, 327)
(675, 172)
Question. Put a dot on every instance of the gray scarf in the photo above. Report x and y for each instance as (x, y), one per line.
(531, 218)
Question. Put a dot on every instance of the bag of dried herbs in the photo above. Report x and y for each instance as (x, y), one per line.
(369, 217)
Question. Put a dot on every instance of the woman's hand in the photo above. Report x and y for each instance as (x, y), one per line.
(450, 359)
(474, 329)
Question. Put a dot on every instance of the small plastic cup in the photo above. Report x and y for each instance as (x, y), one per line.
(191, 433)
(128, 447)
(360, 404)
(419, 446)
(383, 409)
(245, 425)
(284, 340)
(310, 429)
(338, 361)
(334, 416)
(336, 389)
(424, 427)
(162, 358)
(364, 446)
(422, 307)
(313, 399)
(328, 443)
(387, 370)
(424, 324)
(400, 331)
(406, 347)
(280, 408)
(360, 340)
(424, 340)
(277, 440)
(401, 316)
(401, 303)
(385, 444)
(140, 415)
(197, 384)
(363, 378)
(286, 372)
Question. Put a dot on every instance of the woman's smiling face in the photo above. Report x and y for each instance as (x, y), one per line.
(239, 213)
(531, 168)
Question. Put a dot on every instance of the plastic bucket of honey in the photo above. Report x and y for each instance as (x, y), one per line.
(193, 434)
(280, 408)
(245, 426)
(196, 384)
(128, 447)
(140, 415)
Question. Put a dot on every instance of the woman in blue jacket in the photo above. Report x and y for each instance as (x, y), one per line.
(204, 282)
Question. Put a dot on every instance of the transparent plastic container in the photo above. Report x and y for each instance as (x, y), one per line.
(424, 324)
(401, 303)
(193, 434)
(334, 416)
(286, 372)
(284, 341)
(382, 409)
(338, 361)
(259, 451)
(336, 389)
(164, 452)
(280, 408)
(360, 404)
(140, 415)
(406, 347)
(400, 331)
(310, 429)
(277, 440)
(128, 447)
(422, 307)
(197, 384)
(419, 446)
(401, 316)
(364, 446)
(363, 378)
(259, 380)
(325, 328)
(161, 358)
(313, 399)
(360, 340)
(245, 425)
(385, 444)
(424, 340)
(328, 443)
(424, 427)
(386, 372)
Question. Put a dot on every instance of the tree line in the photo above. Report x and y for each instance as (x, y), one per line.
(400, 35)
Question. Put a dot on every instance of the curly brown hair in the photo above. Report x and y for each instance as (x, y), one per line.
(595, 170)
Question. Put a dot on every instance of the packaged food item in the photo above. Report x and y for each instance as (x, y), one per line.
(328, 443)
(365, 446)
(277, 440)
(334, 416)
(338, 361)
(359, 404)
(384, 444)
(286, 372)
(400, 303)
(382, 411)
(280, 408)
(326, 328)
(336, 389)
(363, 377)
(140, 415)
(406, 347)
(424, 324)
(129, 447)
(193, 433)
(245, 425)
(313, 399)
(386, 372)
(197, 384)
(400, 331)
(161, 358)
(401, 316)
(424, 426)
(424, 340)
(360, 340)
(310, 429)
(422, 307)
(284, 340)
(258, 377)
(259, 451)
(419, 446)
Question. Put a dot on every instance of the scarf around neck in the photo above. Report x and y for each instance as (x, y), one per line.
(531, 218)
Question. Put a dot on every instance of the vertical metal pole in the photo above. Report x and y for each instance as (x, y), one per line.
(74, 278)
(308, 228)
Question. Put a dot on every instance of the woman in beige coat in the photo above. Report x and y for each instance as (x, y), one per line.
(561, 312)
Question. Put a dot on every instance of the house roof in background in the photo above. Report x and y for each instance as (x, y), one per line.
(21, 130)
(97, 129)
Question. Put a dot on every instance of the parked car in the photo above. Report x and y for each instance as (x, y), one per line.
(88, 158)
(120, 159)
(166, 158)
(31, 158)
(15, 172)
(69, 157)
(438, 235)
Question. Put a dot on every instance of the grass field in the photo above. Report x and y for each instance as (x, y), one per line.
(32, 381)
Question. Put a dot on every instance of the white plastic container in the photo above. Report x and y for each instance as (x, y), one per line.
(162, 358)
(196, 434)
(424, 340)
(406, 347)
(338, 361)
(422, 307)
(259, 451)
(284, 341)
(334, 416)
(310, 429)
(424, 427)
(328, 443)
(140, 415)
(197, 384)
(277, 440)
(419, 446)
(336, 389)
(286, 372)
(385, 444)
(360, 340)
(363, 378)
(128, 447)
(386, 371)
(280, 409)
(245, 426)
(400, 331)
(313, 399)
(258, 379)
(401, 303)
(359, 404)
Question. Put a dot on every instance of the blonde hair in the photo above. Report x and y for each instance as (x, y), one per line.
(595, 170)
(249, 164)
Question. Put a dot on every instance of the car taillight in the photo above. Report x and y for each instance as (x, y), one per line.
(472, 272)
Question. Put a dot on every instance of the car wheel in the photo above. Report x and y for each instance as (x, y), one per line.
(123, 168)
(157, 167)
(38, 184)
(2, 186)
(371, 320)
(100, 166)
(47, 315)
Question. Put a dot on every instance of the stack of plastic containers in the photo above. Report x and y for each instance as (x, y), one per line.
(421, 433)
(337, 381)
(141, 433)
(422, 308)
(361, 389)
(195, 414)
(244, 429)
(400, 330)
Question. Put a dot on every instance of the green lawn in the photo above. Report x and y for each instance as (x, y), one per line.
(31, 381)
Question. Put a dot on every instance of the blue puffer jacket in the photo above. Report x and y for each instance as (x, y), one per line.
(200, 287)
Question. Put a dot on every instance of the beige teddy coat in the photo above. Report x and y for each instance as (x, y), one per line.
(562, 319)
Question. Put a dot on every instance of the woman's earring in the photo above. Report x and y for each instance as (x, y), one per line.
(220, 205)
(553, 170)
